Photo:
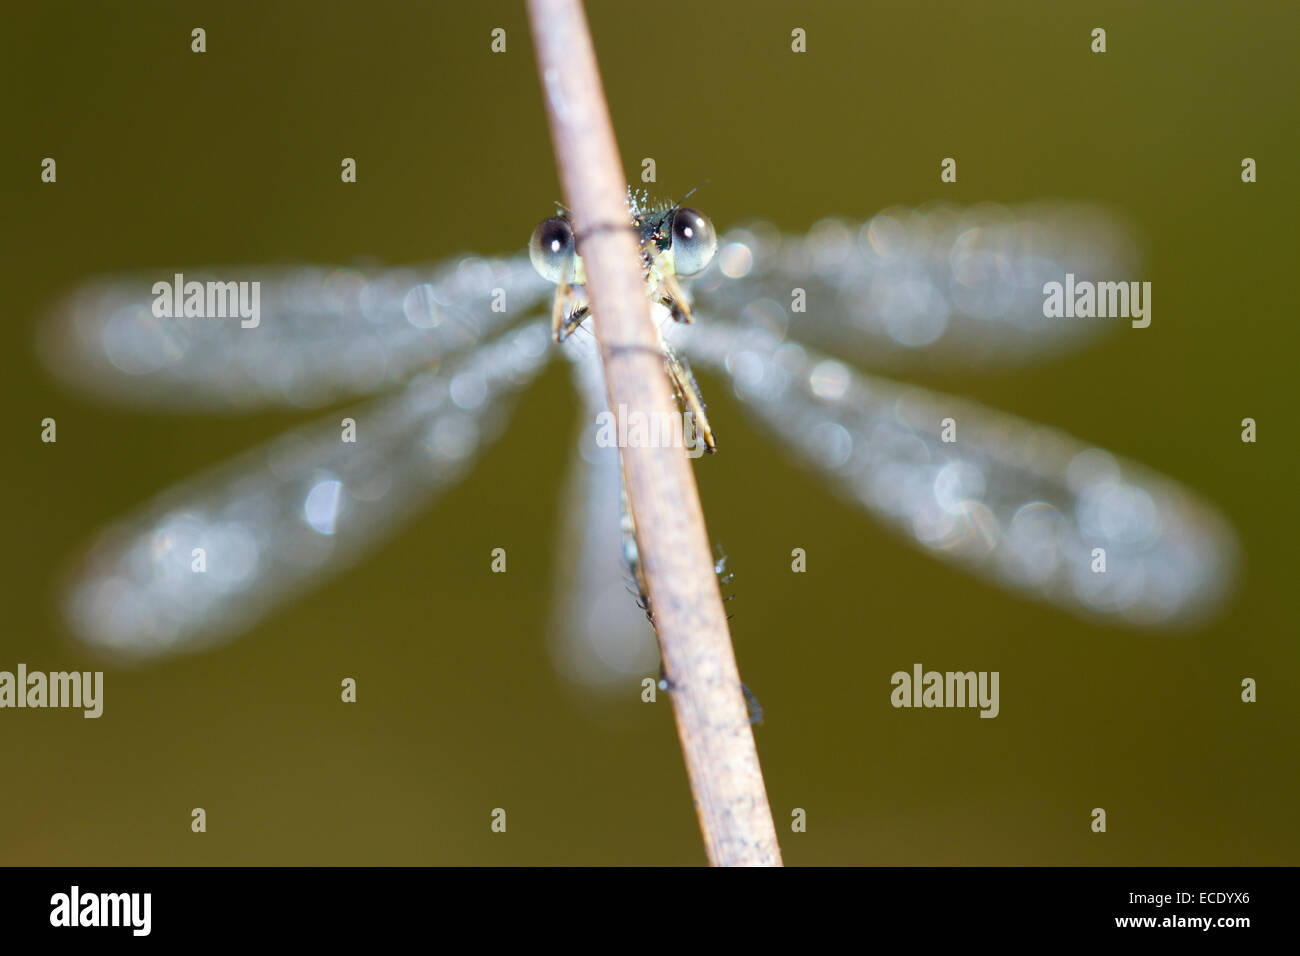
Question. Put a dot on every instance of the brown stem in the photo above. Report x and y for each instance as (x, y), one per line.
(712, 720)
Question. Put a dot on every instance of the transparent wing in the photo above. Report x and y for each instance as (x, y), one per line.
(599, 637)
(322, 333)
(938, 282)
(289, 513)
(1022, 504)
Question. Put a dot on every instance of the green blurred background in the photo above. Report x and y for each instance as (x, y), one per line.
(168, 159)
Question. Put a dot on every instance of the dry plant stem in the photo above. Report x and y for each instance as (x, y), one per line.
(712, 719)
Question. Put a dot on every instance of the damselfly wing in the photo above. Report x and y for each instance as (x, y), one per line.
(1022, 505)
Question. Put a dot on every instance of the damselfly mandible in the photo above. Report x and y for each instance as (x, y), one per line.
(1020, 504)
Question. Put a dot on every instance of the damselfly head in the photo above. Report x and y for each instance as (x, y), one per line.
(675, 240)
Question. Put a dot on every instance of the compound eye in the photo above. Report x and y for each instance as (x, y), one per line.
(551, 249)
(694, 241)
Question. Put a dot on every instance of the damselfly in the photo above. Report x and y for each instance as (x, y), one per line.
(1020, 504)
